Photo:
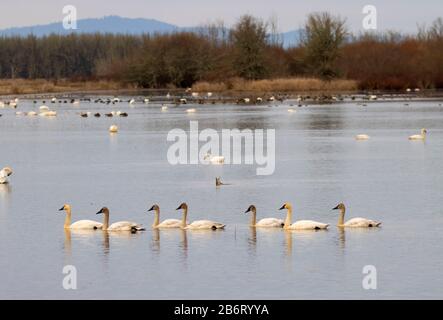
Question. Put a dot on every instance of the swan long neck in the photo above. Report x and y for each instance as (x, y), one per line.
(184, 217)
(68, 218)
(156, 217)
(105, 220)
(341, 218)
(253, 217)
(288, 218)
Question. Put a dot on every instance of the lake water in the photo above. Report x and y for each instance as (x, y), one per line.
(69, 159)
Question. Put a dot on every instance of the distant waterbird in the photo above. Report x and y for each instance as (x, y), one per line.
(421, 136)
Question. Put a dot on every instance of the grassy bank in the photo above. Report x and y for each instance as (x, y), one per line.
(24, 86)
(232, 86)
(287, 85)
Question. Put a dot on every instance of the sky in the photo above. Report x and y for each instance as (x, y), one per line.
(391, 14)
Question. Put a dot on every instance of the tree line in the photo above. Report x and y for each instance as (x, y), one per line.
(251, 50)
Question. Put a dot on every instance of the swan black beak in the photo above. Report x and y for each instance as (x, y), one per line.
(62, 208)
(101, 211)
(282, 207)
(249, 209)
(152, 208)
(336, 208)
(179, 208)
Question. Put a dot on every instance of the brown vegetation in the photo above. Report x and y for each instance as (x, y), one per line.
(276, 85)
(27, 86)
(248, 57)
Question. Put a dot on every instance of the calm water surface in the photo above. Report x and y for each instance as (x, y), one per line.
(73, 160)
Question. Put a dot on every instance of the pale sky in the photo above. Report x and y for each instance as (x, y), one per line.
(392, 14)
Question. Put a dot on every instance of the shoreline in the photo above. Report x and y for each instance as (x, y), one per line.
(44, 89)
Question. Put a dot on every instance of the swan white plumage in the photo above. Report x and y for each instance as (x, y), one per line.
(420, 136)
(81, 224)
(113, 129)
(48, 114)
(301, 224)
(265, 222)
(4, 174)
(199, 224)
(168, 223)
(354, 222)
(192, 110)
(118, 226)
(362, 137)
(214, 159)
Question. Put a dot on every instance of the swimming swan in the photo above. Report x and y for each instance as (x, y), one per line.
(301, 224)
(362, 137)
(214, 159)
(118, 226)
(199, 224)
(420, 136)
(4, 174)
(168, 223)
(264, 223)
(354, 222)
(81, 224)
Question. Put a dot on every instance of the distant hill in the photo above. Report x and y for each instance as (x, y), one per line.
(119, 25)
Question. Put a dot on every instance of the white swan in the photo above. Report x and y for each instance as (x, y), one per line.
(214, 159)
(118, 226)
(199, 224)
(420, 136)
(362, 137)
(4, 174)
(354, 222)
(264, 223)
(192, 110)
(168, 223)
(81, 224)
(113, 129)
(48, 114)
(301, 224)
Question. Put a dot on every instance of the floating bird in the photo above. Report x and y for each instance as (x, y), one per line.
(81, 224)
(264, 223)
(48, 114)
(168, 223)
(362, 137)
(420, 136)
(113, 129)
(301, 224)
(118, 226)
(97, 115)
(214, 159)
(354, 222)
(199, 224)
(4, 174)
